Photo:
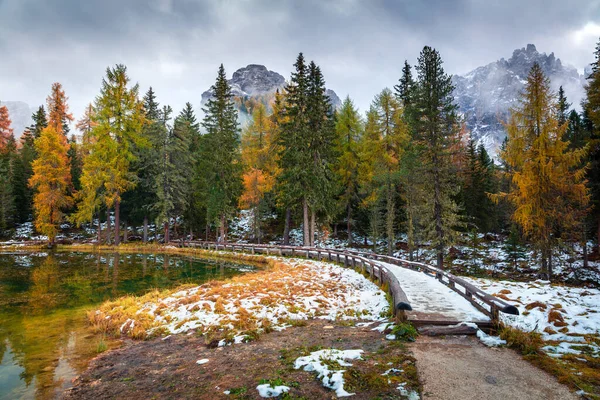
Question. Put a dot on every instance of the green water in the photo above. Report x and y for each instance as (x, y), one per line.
(45, 340)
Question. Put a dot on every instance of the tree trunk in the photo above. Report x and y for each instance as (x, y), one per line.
(108, 228)
(99, 234)
(585, 253)
(437, 214)
(313, 227)
(206, 231)
(124, 231)
(145, 229)
(335, 230)
(390, 219)
(349, 226)
(305, 225)
(286, 229)
(117, 223)
(166, 227)
(598, 238)
(222, 234)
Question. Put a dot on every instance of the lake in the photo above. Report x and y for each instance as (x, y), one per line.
(45, 340)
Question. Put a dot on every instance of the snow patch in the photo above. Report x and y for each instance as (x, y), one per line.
(331, 379)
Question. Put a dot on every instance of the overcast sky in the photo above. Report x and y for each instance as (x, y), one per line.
(176, 46)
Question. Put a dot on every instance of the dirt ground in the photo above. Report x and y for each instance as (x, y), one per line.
(461, 367)
(167, 369)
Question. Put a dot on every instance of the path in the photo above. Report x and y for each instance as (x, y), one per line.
(460, 367)
(431, 300)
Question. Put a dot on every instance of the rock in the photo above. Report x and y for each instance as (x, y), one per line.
(328, 327)
(257, 82)
(485, 94)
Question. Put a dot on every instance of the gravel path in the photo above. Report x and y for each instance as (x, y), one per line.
(461, 367)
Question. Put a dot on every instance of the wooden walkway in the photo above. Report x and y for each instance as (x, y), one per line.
(421, 293)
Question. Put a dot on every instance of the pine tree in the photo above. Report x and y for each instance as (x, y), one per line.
(562, 107)
(295, 159)
(51, 180)
(22, 173)
(221, 151)
(591, 122)
(548, 187)
(106, 171)
(321, 142)
(39, 122)
(405, 87)
(436, 129)
(349, 130)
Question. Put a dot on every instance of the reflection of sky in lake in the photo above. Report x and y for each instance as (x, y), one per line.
(44, 337)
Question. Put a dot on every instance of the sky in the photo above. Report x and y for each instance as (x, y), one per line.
(176, 46)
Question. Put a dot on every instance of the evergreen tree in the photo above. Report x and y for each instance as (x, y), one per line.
(222, 154)
(349, 130)
(39, 122)
(591, 122)
(295, 159)
(548, 188)
(562, 107)
(22, 173)
(436, 129)
(321, 142)
(404, 88)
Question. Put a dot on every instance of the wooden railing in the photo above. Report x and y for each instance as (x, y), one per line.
(373, 264)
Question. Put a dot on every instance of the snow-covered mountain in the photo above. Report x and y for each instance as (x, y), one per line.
(485, 94)
(20, 115)
(256, 82)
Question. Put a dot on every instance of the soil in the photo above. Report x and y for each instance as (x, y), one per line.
(460, 367)
(167, 368)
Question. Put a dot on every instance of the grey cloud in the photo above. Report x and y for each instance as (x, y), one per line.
(177, 45)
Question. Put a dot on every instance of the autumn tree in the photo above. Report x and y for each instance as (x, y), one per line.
(106, 173)
(222, 154)
(7, 157)
(259, 159)
(349, 131)
(548, 182)
(51, 180)
(436, 130)
(58, 110)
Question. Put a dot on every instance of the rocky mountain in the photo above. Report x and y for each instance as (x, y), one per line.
(255, 82)
(485, 94)
(20, 115)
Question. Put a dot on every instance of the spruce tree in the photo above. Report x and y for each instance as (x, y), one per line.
(548, 188)
(222, 153)
(591, 122)
(562, 107)
(39, 122)
(435, 129)
(404, 88)
(294, 157)
(7, 173)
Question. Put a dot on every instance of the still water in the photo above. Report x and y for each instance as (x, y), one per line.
(45, 340)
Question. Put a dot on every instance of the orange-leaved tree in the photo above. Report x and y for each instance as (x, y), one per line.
(5, 129)
(58, 110)
(260, 164)
(51, 180)
(548, 190)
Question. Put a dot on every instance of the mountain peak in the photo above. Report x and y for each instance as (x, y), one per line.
(486, 94)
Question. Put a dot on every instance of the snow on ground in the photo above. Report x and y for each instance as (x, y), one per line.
(266, 390)
(427, 295)
(565, 316)
(322, 360)
(291, 289)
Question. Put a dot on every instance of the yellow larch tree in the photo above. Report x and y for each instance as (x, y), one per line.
(548, 190)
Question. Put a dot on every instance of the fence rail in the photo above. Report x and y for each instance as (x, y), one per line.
(372, 264)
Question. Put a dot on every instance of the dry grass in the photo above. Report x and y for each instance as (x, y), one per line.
(536, 304)
(580, 372)
(556, 318)
(234, 305)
